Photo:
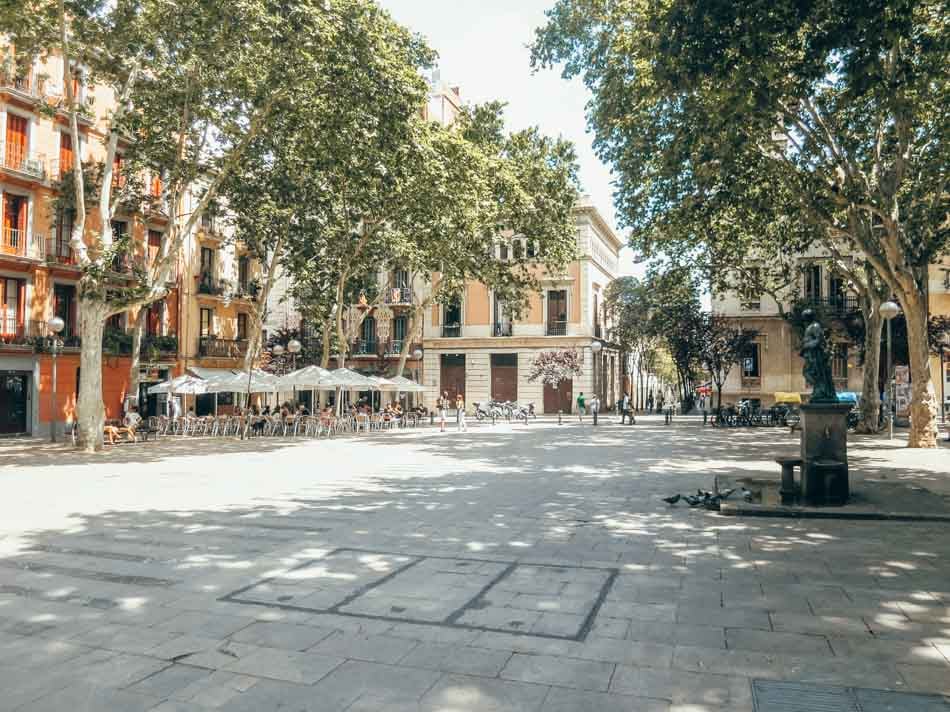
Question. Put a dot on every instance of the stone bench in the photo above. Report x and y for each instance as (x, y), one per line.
(789, 490)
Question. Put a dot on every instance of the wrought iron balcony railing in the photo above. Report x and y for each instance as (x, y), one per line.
(556, 328)
(451, 331)
(58, 251)
(840, 304)
(214, 347)
(398, 295)
(17, 158)
(365, 347)
(502, 330)
(20, 243)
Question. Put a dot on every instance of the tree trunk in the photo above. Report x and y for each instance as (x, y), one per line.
(870, 394)
(138, 329)
(923, 402)
(90, 415)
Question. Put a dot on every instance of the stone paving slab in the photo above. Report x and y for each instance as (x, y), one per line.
(623, 602)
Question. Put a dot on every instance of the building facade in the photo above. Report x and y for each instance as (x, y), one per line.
(199, 321)
(474, 348)
(773, 363)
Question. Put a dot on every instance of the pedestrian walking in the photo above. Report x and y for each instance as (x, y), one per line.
(460, 413)
(595, 407)
(625, 413)
(580, 407)
(443, 405)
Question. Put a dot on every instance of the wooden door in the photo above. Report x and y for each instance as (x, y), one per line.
(65, 153)
(504, 377)
(452, 376)
(559, 398)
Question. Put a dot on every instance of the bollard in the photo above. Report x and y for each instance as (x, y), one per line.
(559, 416)
(493, 417)
(705, 417)
(431, 417)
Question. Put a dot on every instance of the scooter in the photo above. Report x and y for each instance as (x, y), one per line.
(523, 412)
(481, 412)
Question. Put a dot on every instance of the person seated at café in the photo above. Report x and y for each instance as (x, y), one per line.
(397, 409)
(302, 410)
(266, 410)
(130, 422)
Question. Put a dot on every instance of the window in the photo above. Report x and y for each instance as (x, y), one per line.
(242, 326)
(114, 322)
(532, 250)
(401, 279)
(750, 362)
(154, 245)
(518, 249)
(368, 331)
(155, 186)
(207, 264)
(813, 283)
(452, 318)
(839, 361)
(15, 154)
(502, 324)
(153, 318)
(557, 312)
(207, 322)
(118, 172)
(208, 218)
(749, 297)
(244, 271)
(400, 328)
(14, 224)
(65, 153)
(503, 252)
(64, 306)
(11, 306)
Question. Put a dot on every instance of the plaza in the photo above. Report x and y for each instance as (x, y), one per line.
(507, 568)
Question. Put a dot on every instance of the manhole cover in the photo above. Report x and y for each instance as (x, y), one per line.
(771, 696)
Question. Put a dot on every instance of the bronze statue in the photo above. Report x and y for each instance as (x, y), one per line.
(817, 369)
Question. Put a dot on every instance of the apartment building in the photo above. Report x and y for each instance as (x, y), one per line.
(773, 364)
(38, 271)
(39, 274)
(474, 348)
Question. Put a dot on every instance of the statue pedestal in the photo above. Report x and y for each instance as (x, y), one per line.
(825, 453)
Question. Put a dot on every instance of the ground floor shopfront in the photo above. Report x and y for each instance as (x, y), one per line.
(499, 369)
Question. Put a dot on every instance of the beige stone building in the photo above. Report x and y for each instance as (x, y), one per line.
(473, 347)
(773, 365)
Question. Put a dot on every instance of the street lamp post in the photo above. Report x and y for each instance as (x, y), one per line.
(889, 310)
(294, 347)
(55, 325)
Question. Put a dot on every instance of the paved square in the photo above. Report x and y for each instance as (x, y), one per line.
(541, 600)
(508, 568)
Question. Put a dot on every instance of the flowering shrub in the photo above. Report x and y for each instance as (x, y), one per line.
(552, 367)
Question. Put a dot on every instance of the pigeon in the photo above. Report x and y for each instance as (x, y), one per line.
(746, 495)
(693, 501)
(672, 500)
(725, 495)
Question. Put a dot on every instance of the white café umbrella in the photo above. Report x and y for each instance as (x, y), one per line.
(406, 385)
(345, 379)
(308, 377)
(183, 385)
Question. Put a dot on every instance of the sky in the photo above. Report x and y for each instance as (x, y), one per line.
(482, 47)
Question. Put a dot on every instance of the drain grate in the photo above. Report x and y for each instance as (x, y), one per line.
(799, 697)
(772, 696)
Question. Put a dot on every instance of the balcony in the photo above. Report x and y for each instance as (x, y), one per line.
(37, 333)
(25, 84)
(840, 304)
(365, 347)
(59, 252)
(398, 295)
(14, 331)
(246, 290)
(501, 330)
(213, 347)
(556, 328)
(451, 331)
(20, 244)
(17, 158)
(155, 345)
(209, 285)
